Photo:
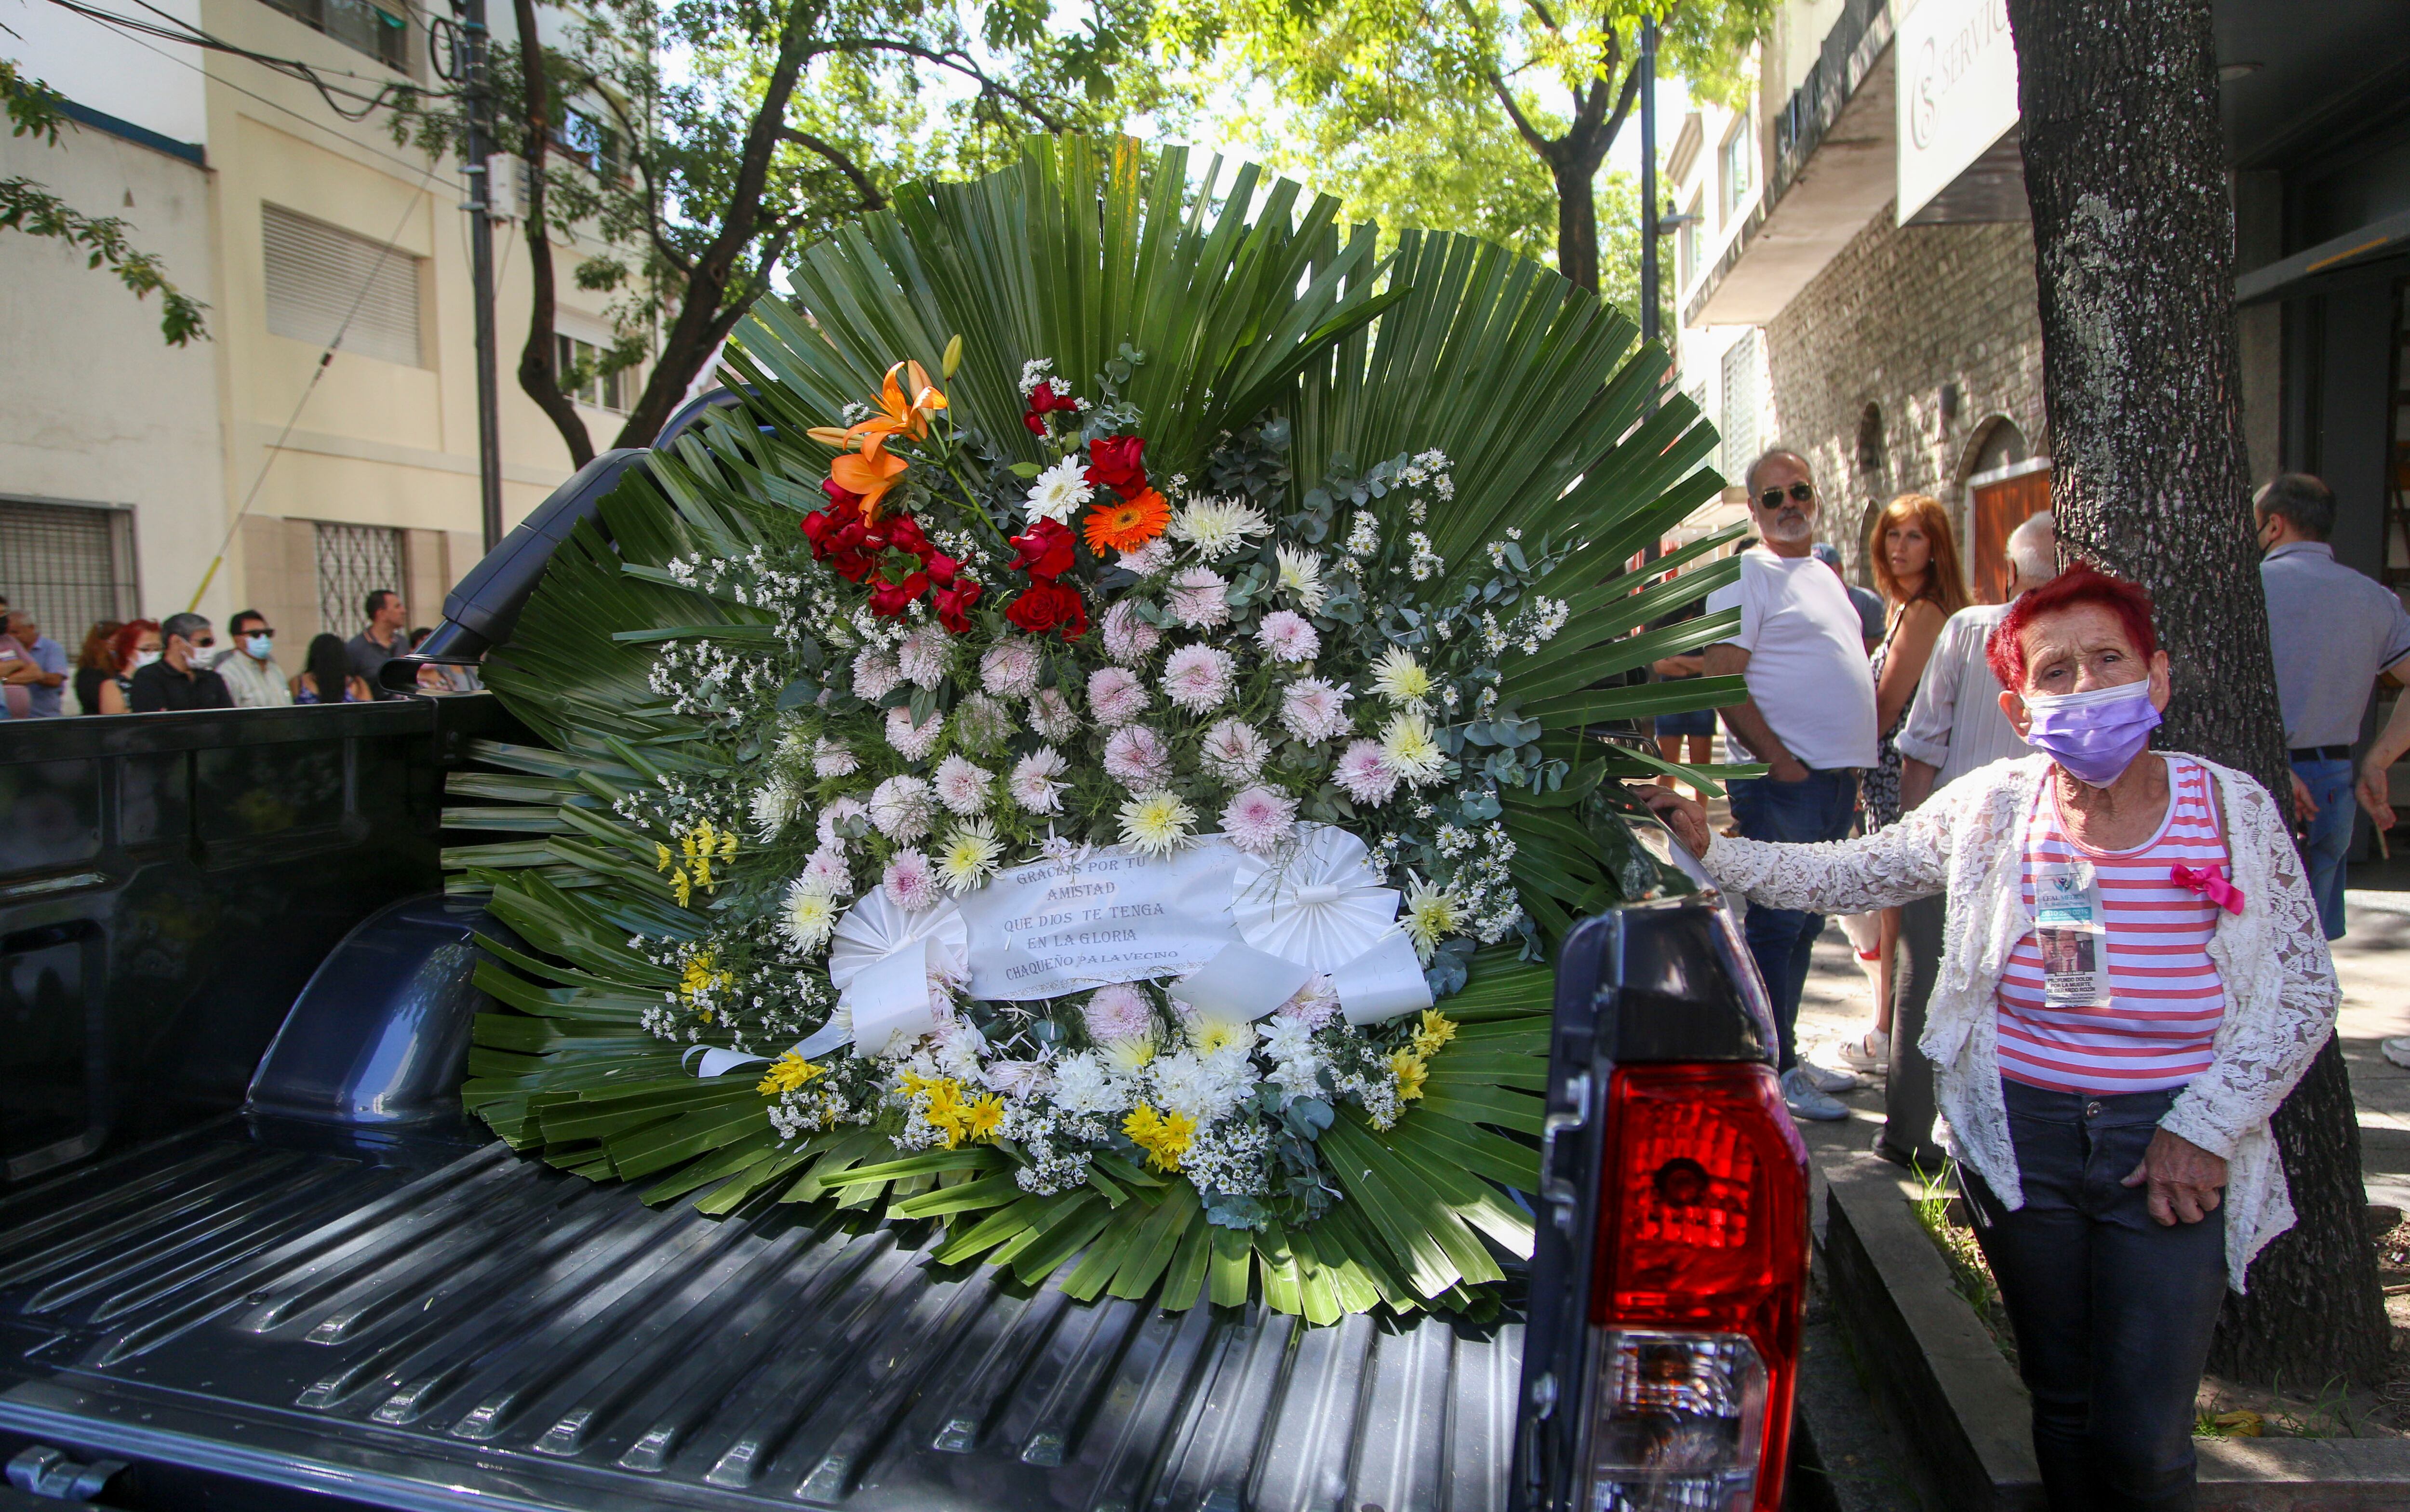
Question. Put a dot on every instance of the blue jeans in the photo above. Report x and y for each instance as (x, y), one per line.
(1783, 941)
(2330, 836)
(2112, 1312)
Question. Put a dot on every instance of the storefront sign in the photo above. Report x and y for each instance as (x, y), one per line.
(1957, 93)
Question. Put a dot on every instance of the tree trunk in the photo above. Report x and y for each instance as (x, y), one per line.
(539, 360)
(2133, 237)
(1577, 222)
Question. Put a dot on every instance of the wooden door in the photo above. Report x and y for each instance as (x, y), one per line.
(1999, 508)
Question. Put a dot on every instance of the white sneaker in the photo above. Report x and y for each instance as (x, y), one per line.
(2397, 1050)
(1804, 1101)
(1826, 1079)
(1868, 1055)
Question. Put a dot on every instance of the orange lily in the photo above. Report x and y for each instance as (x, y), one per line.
(871, 474)
(894, 414)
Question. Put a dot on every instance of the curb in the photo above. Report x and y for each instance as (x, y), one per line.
(1966, 1415)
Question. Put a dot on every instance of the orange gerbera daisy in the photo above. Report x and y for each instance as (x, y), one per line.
(1128, 524)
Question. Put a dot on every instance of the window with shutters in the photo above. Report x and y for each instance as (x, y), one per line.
(354, 561)
(323, 280)
(70, 565)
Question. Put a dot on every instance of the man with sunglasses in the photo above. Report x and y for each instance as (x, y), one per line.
(181, 679)
(249, 667)
(1810, 716)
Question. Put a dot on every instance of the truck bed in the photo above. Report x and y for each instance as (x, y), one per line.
(432, 1321)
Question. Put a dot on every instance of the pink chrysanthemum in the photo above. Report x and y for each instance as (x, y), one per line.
(1233, 751)
(1136, 758)
(1118, 1013)
(1050, 714)
(831, 759)
(963, 786)
(837, 812)
(1314, 1004)
(900, 807)
(1148, 560)
(1115, 696)
(1016, 1078)
(875, 673)
(827, 871)
(1312, 709)
(1365, 772)
(1197, 677)
(923, 655)
(1259, 819)
(1034, 783)
(1010, 669)
(910, 880)
(1196, 599)
(1286, 636)
(913, 741)
(1127, 638)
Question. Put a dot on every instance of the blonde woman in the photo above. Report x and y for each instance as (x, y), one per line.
(1915, 556)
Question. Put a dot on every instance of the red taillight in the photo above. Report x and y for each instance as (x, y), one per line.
(1702, 1262)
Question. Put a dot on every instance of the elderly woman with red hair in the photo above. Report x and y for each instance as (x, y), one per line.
(2132, 979)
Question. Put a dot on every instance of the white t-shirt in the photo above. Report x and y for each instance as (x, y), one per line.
(1807, 657)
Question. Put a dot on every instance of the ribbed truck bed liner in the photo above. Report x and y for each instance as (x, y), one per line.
(448, 1325)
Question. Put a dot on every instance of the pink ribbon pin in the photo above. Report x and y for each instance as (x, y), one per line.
(2210, 883)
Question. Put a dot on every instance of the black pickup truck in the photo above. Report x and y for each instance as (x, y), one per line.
(252, 1254)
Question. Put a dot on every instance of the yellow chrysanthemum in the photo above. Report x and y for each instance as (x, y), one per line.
(981, 1119)
(1164, 1137)
(1437, 1030)
(1409, 1070)
(1210, 1035)
(969, 856)
(1400, 677)
(788, 1073)
(1157, 822)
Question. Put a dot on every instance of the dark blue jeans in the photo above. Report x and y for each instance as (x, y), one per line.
(1783, 941)
(2112, 1312)
(2330, 837)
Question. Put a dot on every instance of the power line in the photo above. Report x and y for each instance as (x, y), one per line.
(183, 32)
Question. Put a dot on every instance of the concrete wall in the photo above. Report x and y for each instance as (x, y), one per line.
(1899, 315)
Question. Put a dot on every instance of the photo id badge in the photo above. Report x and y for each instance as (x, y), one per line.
(2073, 938)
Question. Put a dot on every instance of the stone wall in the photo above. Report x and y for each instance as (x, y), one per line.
(1899, 316)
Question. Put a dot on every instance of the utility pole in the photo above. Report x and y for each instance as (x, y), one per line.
(480, 206)
(1647, 65)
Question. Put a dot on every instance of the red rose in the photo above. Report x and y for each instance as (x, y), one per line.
(845, 499)
(1046, 552)
(889, 599)
(838, 538)
(903, 535)
(941, 567)
(955, 604)
(1043, 607)
(1045, 399)
(1113, 463)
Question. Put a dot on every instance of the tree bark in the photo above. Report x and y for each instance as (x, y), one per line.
(540, 359)
(2133, 238)
(1577, 225)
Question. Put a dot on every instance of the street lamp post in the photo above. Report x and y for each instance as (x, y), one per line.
(480, 206)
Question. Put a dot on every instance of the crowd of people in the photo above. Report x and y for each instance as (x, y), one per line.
(147, 666)
(2100, 968)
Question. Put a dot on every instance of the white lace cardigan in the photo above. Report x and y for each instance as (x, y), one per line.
(1965, 842)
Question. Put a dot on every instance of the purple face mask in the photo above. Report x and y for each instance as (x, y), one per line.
(2096, 735)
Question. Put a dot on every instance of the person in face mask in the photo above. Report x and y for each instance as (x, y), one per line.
(2133, 976)
(136, 646)
(180, 680)
(249, 666)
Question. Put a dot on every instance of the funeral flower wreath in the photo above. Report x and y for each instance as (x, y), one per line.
(1017, 799)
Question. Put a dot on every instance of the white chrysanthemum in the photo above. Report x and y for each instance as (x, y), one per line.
(1016, 1079)
(808, 915)
(913, 741)
(1407, 745)
(1010, 669)
(1233, 751)
(776, 804)
(1136, 758)
(1196, 599)
(1364, 774)
(926, 655)
(1035, 784)
(900, 806)
(1057, 493)
(1050, 714)
(1432, 915)
(1286, 636)
(1313, 709)
(837, 812)
(1197, 677)
(875, 673)
(969, 856)
(1259, 819)
(833, 759)
(1300, 576)
(1204, 1087)
(1157, 822)
(963, 786)
(1115, 696)
(1400, 677)
(1127, 638)
(1084, 1085)
(1286, 1038)
(1314, 1004)
(1217, 527)
(910, 880)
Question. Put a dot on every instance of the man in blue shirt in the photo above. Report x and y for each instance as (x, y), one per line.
(2333, 630)
(50, 659)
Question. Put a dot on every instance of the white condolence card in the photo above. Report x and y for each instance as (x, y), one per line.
(2072, 933)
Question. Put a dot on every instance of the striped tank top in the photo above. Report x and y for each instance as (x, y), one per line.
(2166, 997)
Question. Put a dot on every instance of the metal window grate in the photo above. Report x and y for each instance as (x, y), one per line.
(1740, 405)
(71, 565)
(316, 273)
(355, 560)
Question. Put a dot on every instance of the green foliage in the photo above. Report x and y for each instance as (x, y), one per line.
(35, 109)
(1259, 323)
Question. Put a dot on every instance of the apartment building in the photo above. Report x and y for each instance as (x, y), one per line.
(125, 463)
